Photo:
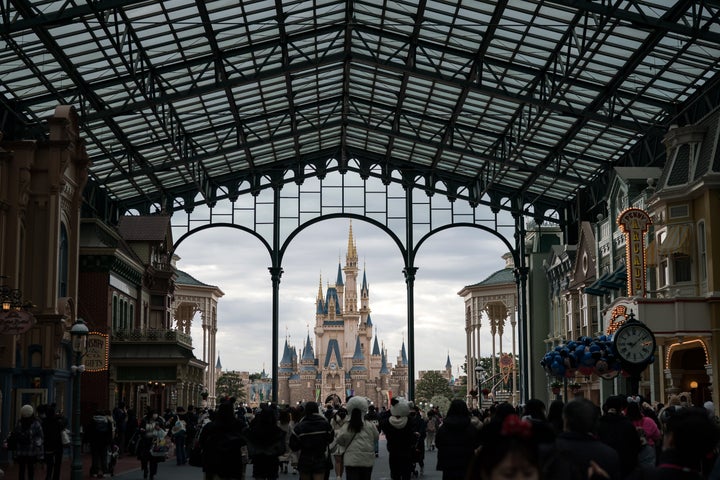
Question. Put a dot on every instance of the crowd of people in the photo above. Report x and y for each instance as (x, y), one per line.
(624, 439)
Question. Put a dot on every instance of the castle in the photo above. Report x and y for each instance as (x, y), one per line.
(341, 364)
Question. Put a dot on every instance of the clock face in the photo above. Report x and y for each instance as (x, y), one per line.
(333, 365)
(634, 343)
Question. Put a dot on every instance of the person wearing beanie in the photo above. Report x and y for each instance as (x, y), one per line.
(27, 442)
(401, 435)
(358, 436)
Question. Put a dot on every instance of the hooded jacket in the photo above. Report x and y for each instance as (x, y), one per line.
(359, 446)
(311, 436)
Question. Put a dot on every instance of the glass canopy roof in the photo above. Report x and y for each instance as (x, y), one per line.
(526, 100)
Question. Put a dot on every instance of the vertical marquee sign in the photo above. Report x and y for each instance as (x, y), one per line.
(634, 222)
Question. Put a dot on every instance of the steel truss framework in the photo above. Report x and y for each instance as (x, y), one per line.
(514, 106)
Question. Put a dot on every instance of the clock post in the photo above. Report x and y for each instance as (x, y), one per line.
(634, 344)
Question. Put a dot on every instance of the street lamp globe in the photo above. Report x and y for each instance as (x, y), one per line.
(79, 333)
(480, 374)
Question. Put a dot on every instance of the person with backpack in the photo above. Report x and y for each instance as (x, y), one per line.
(26, 442)
(152, 432)
(179, 438)
(311, 437)
(99, 434)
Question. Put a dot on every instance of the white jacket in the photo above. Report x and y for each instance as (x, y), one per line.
(360, 446)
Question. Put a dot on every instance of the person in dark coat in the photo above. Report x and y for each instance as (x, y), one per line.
(576, 450)
(401, 435)
(28, 448)
(52, 426)
(266, 442)
(616, 430)
(456, 441)
(99, 434)
(222, 440)
(690, 435)
(311, 436)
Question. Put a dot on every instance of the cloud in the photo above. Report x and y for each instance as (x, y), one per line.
(238, 264)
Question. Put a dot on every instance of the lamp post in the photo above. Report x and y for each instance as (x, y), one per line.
(79, 334)
(480, 379)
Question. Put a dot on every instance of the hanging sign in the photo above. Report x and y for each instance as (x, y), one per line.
(96, 356)
(16, 322)
(634, 222)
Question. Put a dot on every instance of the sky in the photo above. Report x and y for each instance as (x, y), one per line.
(236, 262)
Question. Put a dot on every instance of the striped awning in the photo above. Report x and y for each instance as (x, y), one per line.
(677, 240)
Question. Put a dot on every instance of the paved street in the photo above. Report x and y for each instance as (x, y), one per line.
(130, 469)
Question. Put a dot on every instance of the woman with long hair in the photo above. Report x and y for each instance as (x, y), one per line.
(456, 441)
(357, 437)
(266, 442)
(647, 430)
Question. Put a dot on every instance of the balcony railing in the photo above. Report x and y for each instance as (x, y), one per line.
(151, 335)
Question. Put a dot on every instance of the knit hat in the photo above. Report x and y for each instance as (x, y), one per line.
(401, 408)
(27, 411)
(357, 403)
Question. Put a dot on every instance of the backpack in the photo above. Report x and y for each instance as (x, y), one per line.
(20, 438)
(102, 426)
(432, 424)
(642, 435)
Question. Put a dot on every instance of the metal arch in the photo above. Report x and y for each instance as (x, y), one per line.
(331, 216)
(177, 243)
(484, 228)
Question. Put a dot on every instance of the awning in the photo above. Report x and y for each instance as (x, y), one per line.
(615, 280)
(677, 240)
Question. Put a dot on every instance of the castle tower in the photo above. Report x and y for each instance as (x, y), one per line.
(351, 272)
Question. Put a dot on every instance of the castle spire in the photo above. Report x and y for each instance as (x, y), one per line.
(448, 365)
(376, 347)
(352, 249)
(358, 355)
(339, 281)
(383, 364)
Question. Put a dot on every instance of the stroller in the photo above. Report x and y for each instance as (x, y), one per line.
(113, 453)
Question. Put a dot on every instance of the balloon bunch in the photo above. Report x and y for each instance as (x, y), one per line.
(586, 355)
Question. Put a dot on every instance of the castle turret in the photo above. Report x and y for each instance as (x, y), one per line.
(340, 287)
(364, 294)
(384, 370)
(307, 361)
(319, 304)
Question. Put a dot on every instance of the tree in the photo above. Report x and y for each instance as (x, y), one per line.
(230, 384)
(430, 385)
